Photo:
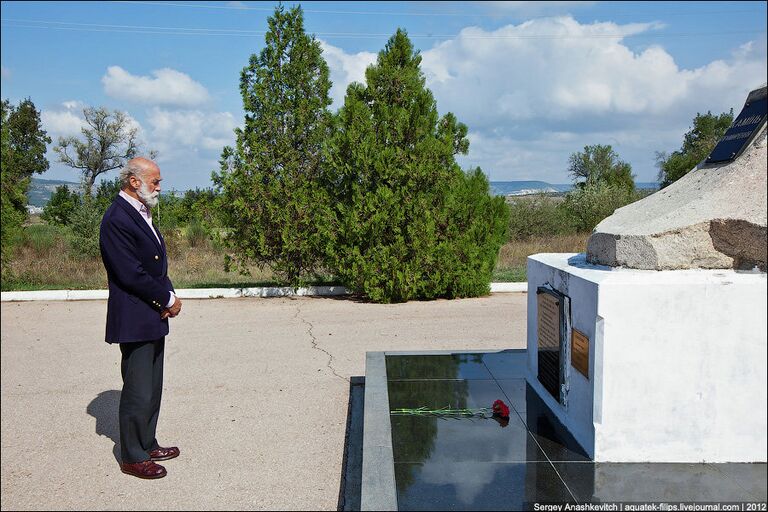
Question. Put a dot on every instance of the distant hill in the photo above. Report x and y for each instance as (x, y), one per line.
(40, 190)
(526, 187)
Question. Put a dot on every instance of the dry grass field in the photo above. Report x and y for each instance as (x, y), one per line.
(46, 261)
(514, 254)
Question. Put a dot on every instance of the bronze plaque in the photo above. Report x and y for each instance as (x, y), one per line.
(580, 352)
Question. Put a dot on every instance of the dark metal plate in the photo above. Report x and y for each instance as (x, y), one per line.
(550, 336)
(742, 130)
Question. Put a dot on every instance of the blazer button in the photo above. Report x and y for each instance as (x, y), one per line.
(157, 257)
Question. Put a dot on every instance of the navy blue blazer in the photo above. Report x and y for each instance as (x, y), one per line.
(137, 271)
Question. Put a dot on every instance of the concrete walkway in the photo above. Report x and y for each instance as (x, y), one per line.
(256, 395)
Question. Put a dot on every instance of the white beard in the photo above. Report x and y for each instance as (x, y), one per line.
(149, 199)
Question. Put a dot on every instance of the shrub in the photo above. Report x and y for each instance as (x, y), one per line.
(167, 215)
(61, 206)
(84, 228)
(476, 228)
(540, 215)
(196, 234)
(587, 206)
(409, 223)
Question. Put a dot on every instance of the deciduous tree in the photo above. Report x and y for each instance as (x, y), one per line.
(108, 141)
(698, 143)
(600, 164)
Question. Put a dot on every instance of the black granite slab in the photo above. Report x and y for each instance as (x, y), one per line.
(454, 366)
(482, 438)
(482, 464)
(434, 393)
(550, 434)
(421, 439)
(514, 391)
(477, 486)
(507, 364)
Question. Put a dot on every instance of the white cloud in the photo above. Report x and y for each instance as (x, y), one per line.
(69, 120)
(73, 105)
(5, 72)
(191, 129)
(344, 69)
(533, 93)
(515, 73)
(189, 143)
(61, 123)
(168, 87)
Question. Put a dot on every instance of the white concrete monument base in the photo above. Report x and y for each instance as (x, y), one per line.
(677, 360)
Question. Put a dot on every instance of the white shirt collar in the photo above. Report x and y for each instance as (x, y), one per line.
(138, 205)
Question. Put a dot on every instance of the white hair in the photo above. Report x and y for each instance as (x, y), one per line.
(132, 168)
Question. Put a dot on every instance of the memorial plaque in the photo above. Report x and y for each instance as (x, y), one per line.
(580, 352)
(743, 129)
(549, 341)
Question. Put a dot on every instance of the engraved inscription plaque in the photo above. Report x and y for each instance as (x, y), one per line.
(580, 352)
(549, 339)
(743, 129)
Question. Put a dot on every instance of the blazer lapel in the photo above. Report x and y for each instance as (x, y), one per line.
(139, 220)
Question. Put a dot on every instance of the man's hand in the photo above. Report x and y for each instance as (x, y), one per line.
(172, 311)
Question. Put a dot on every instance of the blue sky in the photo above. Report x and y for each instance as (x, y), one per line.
(533, 81)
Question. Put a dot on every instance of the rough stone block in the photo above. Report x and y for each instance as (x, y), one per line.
(713, 217)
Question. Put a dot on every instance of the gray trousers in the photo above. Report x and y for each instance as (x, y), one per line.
(142, 370)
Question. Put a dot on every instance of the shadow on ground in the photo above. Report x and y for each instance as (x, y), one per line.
(104, 408)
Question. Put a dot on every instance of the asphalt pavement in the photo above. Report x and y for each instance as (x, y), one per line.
(256, 395)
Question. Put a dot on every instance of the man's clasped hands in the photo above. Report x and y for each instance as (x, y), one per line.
(172, 311)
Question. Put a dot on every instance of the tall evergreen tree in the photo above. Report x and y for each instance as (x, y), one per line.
(23, 154)
(410, 224)
(276, 211)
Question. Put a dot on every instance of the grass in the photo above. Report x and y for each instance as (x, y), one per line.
(44, 260)
(512, 260)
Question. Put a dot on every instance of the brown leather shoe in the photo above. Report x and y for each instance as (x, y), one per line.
(146, 469)
(161, 453)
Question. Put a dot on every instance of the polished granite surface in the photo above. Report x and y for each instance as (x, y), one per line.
(487, 464)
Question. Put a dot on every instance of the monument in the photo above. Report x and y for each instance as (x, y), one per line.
(713, 217)
(651, 347)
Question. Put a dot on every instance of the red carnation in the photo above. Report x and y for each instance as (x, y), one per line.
(500, 409)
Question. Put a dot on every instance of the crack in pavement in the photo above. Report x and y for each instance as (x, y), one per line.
(317, 347)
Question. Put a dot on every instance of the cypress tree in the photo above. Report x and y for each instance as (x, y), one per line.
(275, 210)
(409, 222)
(24, 144)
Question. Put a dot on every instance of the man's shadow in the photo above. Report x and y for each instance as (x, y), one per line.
(105, 408)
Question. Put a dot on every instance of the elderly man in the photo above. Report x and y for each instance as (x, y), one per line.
(141, 299)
